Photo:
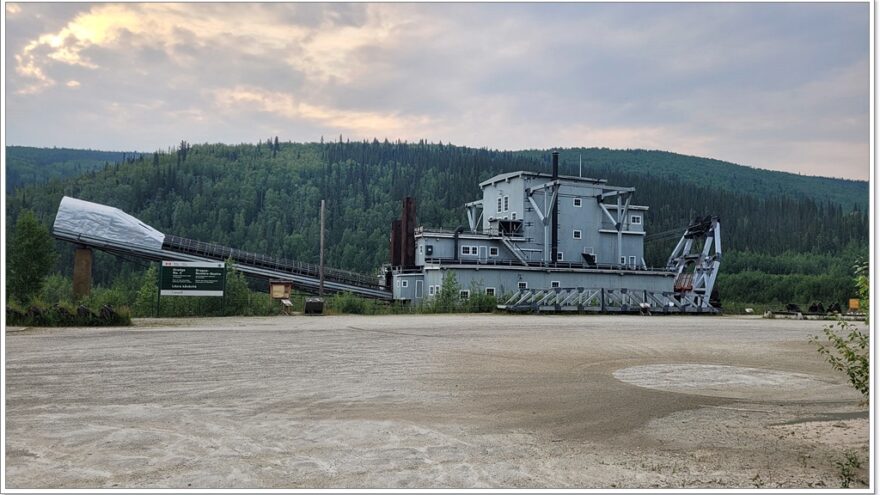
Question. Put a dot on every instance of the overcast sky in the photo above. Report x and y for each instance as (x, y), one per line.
(776, 86)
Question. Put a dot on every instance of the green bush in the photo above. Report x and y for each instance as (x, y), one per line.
(448, 300)
(847, 348)
(56, 289)
(39, 314)
(347, 303)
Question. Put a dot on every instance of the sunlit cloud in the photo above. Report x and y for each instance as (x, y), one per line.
(72, 84)
(323, 51)
(358, 124)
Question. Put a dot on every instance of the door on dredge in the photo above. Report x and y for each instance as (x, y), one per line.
(484, 254)
(419, 289)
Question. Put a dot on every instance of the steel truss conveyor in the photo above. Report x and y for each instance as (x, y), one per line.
(587, 300)
(109, 229)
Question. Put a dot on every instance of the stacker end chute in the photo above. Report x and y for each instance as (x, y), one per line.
(77, 218)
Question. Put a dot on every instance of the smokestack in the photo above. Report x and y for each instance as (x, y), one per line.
(407, 233)
(555, 165)
(554, 225)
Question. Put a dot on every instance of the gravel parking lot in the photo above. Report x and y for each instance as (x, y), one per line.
(428, 401)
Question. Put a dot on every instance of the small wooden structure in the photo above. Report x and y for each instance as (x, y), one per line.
(280, 289)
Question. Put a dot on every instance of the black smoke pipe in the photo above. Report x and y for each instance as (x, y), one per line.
(554, 224)
(459, 230)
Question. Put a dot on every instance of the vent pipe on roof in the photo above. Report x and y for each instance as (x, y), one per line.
(554, 225)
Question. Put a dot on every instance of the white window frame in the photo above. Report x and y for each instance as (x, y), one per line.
(623, 260)
(499, 204)
(632, 260)
(464, 294)
(560, 256)
(635, 219)
(555, 284)
(404, 284)
(430, 290)
(522, 285)
(513, 215)
(577, 202)
(490, 291)
(495, 249)
(506, 203)
(576, 234)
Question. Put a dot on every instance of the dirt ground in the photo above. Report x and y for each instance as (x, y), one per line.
(429, 401)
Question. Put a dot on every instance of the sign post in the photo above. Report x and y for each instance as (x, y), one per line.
(191, 278)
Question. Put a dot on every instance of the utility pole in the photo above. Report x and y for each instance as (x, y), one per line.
(321, 266)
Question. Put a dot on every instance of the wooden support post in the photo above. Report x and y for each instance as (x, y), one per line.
(82, 272)
(321, 265)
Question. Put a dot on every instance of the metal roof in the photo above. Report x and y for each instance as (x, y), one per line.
(511, 175)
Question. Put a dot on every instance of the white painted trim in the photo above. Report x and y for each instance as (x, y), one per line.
(625, 232)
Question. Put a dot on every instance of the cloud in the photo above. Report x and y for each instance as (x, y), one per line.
(759, 84)
(360, 124)
(323, 51)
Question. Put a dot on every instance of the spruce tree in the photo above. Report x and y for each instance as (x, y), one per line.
(30, 258)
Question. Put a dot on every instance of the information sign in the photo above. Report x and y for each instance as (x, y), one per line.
(192, 278)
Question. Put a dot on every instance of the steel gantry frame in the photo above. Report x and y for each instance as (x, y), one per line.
(545, 215)
(705, 262)
(624, 196)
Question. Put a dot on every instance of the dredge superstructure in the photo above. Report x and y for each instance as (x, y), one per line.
(549, 242)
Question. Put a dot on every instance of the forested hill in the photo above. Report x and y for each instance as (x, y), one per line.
(27, 165)
(265, 198)
(712, 173)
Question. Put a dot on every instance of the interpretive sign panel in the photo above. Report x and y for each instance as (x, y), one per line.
(192, 278)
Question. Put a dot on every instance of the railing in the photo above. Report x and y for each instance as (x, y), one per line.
(490, 234)
(222, 253)
(514, 249)
(540, 264)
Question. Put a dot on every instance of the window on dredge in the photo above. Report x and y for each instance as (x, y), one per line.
(490, 291)
(464, 294)
(554, 284)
